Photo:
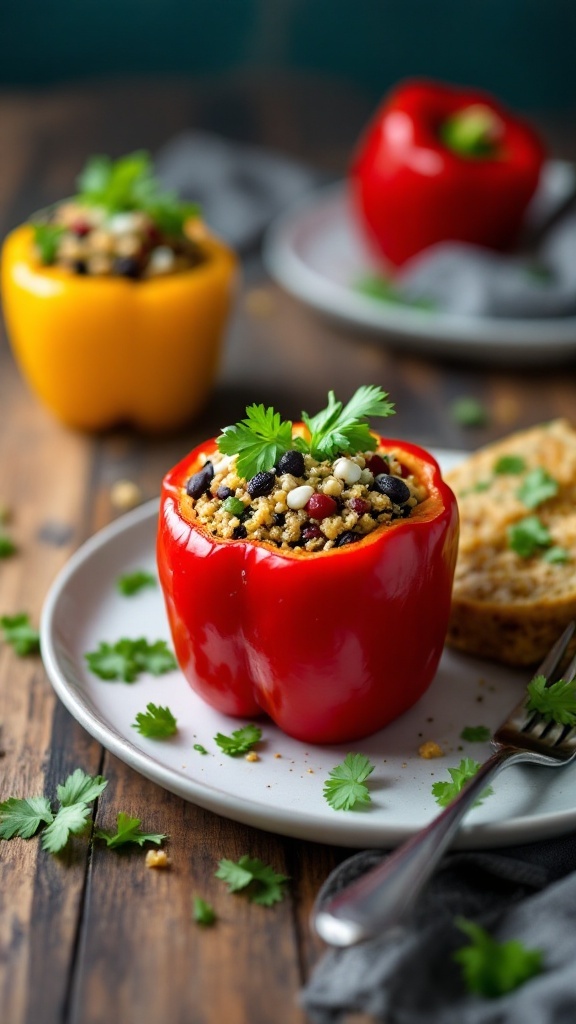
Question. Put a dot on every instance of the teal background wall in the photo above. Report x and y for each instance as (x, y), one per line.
(525, 50)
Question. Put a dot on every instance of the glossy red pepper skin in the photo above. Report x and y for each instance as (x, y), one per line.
(333, 645)
(410, 190)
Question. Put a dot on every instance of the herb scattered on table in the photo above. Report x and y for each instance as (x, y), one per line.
(20, 634)
(529, 536)
(537, 487)
(127, 659)
(556, 702)
(200, 748)
(156, 722)
(262, 884)
(202, 912)
(381, 288)
(346, 785)
(240, 742)
(133, 582)
(262, 437)
(23, 817)
(128, 831)
(475, 733)
(492, 968)
(444, 792)
(469, 412)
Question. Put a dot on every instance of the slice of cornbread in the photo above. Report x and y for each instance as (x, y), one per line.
(507, 605)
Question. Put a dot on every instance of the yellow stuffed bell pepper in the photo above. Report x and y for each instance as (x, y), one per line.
(102, 348)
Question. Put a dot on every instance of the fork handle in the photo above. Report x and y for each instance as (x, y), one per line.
(381, 899)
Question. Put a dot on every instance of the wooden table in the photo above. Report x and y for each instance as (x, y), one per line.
(88, 937)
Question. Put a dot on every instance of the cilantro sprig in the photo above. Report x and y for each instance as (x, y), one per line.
(475, 734)
(537, 487)
(127, 659)
(133, 582)
(444, 792)
(129, 183)
(529, 536)
(202, 912)
(156, 723)
(555, 702)
(128, 831)
(262, 884)
(492, 968)
(20, 634)
(262, 437)
(240, 742)
(23, 817)
(346, 785)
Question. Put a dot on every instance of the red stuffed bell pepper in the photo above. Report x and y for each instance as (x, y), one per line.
(441, 163)
(332, 638)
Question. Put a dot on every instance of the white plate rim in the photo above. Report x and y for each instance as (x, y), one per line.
(455, 333)
(517, 830)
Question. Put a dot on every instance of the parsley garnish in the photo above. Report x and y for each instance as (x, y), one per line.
(200, 748)
(128, 831)
(345, 786)
(475, 733)
(556, 702)
(22, 818)
(511, 465)
(262, 437)
(202, 912)
(20, 634)
(240, 742)
(262, 883)
(537, 487)
(234, 506)
(528, 536)
(118, 186)
(47, 239)
(446, 791)
(7, 546)
(556, 555)
(381, 288)
(493, 968)
(156, 722)
(469, 412)
(126, 659)
(132, 582)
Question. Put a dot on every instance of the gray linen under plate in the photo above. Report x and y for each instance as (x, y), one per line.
(526, 893)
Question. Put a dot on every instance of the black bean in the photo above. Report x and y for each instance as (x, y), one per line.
(224, 492)
(348, 537)
(80, 267)
(279, 518)
(199, 483)
(260, 485)
(393, 487)
(291, 462)
(240, 532)
(127, 266)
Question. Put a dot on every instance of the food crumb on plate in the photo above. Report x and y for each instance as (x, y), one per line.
(157, 859)
(430, 749)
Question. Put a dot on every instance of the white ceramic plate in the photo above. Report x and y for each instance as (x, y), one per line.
(283, 793)
(315, 251)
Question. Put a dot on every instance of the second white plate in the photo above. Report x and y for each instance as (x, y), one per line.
(282, 792)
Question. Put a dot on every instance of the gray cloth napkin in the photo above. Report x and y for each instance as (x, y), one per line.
(239, 187)
(526, 893)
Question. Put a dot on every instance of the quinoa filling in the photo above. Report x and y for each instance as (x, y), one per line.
(303, 503)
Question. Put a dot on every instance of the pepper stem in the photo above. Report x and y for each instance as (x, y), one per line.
(473, 131)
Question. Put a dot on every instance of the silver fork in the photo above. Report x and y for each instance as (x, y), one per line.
(382, 898)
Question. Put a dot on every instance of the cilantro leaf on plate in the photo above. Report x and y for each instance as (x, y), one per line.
(556, 555)
(156, 722)
(202, 912)
(127, 659)
(475, 733)
(240, 742)
(20, 634)
(538, 486)
(492, 968)
(128, 831)
(267, 886)
(528, 536)
(23, 818)
(555, 702)
(446, 791)
(509, 465)
(133, 582)
(346, 786)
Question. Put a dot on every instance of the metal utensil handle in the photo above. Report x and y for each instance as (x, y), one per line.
(381, 898)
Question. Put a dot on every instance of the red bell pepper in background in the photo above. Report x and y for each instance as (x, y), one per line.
(331, 645)
(439, 163)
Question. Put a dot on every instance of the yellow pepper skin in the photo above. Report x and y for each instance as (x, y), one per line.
(99, 351)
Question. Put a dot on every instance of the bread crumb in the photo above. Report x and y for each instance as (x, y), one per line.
(157, 859)
(430, 749)
(277, 755)
(252, 756)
